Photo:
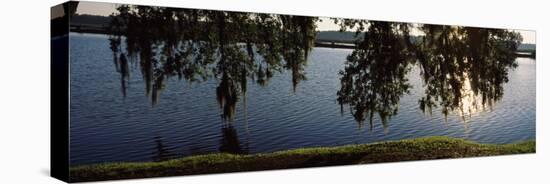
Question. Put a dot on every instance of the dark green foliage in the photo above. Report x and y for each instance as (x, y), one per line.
(374, 78)
(195, 45)
(463, 68)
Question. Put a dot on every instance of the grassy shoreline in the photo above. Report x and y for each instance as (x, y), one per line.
(426, 148)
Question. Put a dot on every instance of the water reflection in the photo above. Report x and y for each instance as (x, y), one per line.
(161, 153)
(230, 143)
(463, 69)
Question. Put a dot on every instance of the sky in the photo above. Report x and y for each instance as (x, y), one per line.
(105, 9)
(96, 8)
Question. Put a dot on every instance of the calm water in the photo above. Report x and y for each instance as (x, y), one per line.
(106, 127)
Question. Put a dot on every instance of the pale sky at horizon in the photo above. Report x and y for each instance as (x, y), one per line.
(105, 9)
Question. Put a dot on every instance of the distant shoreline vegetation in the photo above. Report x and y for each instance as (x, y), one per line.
(98, 24)
(426, 148)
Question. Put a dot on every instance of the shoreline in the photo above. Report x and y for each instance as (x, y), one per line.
(425, 148)
(317, 43)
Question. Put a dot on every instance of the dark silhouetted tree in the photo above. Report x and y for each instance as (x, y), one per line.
(197, 45)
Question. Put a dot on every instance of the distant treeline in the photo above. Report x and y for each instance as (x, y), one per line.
(99, 21)
(337, 36)
(322, 36)
(527, 47)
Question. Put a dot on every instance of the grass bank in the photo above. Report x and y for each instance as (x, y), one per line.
(391, 151)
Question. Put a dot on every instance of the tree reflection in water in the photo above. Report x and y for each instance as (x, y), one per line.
(230, 142)
(161, 153)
